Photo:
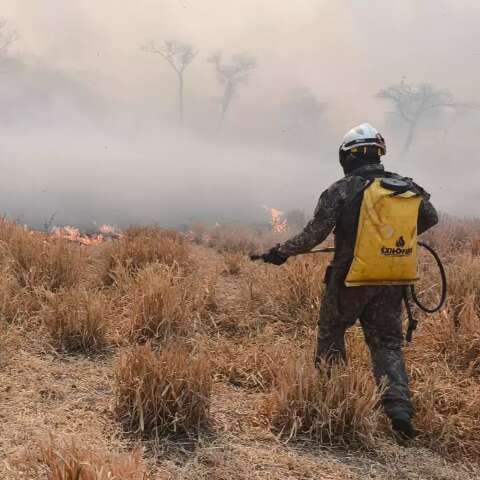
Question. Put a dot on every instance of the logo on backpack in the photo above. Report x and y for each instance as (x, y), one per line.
(398, 251)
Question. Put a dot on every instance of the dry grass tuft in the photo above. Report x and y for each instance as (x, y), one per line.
(252, 366)
(303, 283)
(157, 305)
(464, 348)
(453, 235)
(290, 293)
(38, 262)
(336, 404)
(13, 298)
(445, 368)
(463, 285)
(476, 247)
(456, 344)
(233, 262)
(242, 240)
(139, 247)
(232, 240)
(32, 266)
(162, 302)
(78, 320)
(161, 393)
(447, 409)
(71, 462)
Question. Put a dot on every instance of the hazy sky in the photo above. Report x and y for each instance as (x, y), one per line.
(91, 130)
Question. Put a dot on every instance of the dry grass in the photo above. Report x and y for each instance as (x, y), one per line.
(464, 286)
(476, 247)
(250, 365)
(36, 262)
(275, 462)
(257, 324)
(161, 393)
(163, 302)
(139, 247)
(447, 407)
(445, 358)
(157, 305)
(456, 344)
(78, 320)
(445, 367)
(69, 461)
(234, 262)
(453, 235)
(240, 239)
(13, 298)
(336, 404)
(32, 266)
(290, 293)
(464, 348)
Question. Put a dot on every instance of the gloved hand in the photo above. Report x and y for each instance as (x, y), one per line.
(272, 256)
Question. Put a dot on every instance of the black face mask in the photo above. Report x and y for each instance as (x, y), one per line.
(350, 162)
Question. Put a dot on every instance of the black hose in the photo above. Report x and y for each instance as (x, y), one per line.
(443, 295)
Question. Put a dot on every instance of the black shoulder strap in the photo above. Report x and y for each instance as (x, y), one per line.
(349, 200)
(354, 196)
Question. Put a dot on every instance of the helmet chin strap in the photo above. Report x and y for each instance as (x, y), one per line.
(344, 160)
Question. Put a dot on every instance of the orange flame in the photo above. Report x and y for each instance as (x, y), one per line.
(279, 224)
(73, 235)
(107, 230)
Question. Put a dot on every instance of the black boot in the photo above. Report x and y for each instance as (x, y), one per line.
(402, 427)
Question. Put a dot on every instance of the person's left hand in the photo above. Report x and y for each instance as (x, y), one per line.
(274, 256)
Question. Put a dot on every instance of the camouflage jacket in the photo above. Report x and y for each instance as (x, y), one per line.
(336, 209)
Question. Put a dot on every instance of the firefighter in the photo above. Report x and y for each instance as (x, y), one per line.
(377, 306)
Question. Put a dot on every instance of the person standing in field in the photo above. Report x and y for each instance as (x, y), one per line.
(367, 207)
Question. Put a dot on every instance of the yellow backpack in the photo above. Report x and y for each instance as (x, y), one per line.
(386, 244)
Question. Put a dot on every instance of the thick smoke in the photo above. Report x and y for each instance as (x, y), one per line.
(89, 128)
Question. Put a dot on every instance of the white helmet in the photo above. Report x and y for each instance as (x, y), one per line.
(363, 135)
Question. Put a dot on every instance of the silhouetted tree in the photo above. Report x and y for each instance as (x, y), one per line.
(7, 37)
(413, 102)
(231, 75)
(179, 56)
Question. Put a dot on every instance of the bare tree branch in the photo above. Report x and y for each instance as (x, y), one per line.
(412, 102)
(231, 75)
(179, 56)
(7, 37)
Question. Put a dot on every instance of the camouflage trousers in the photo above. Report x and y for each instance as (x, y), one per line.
(379, 309)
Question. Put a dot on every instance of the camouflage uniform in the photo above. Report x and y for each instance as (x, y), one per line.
(378, 308)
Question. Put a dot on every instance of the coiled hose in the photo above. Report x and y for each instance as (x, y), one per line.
(443, 275)
(412, 322)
